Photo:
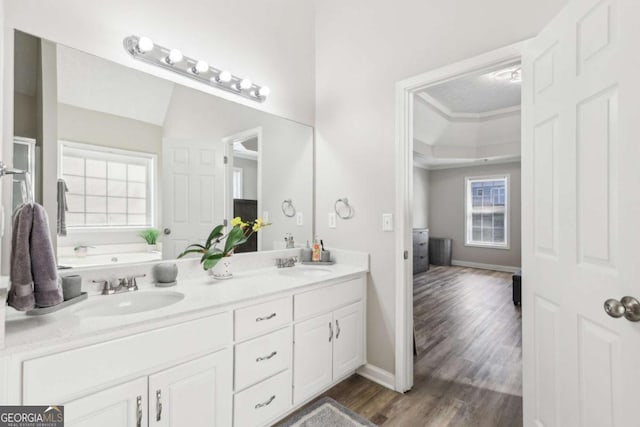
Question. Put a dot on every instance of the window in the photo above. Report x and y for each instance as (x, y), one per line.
(238, 178)
(108, 188)
(487, 212)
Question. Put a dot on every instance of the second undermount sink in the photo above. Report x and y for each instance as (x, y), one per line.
(127, 303)
(306, 271)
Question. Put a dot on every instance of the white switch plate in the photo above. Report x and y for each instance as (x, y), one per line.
(265, 216)
(332, 220)
(299, 218)
(387, 222)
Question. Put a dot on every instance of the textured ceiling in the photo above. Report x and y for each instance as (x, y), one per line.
(477, 93)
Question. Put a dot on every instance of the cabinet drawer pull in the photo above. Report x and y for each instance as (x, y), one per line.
(158, 405)
(267, 403)
(139, 411)
(269, 317)
(337, 329)
(260, 359)
(330, 331)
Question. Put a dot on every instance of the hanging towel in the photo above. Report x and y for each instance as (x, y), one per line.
(21, 292)
(62, 207)
(47, 285)
(34, 275)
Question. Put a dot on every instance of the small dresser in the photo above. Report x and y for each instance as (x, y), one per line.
(420, 250)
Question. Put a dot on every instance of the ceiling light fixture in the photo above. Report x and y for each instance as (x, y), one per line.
(513, 75)
(143, 49)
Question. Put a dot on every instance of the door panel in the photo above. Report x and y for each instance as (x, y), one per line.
(114, 407)
(313, 343)
(580, 215)
(348, 346)
(194, 394)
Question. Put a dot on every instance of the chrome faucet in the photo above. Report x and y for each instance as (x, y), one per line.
(286, 262)
(125, 284)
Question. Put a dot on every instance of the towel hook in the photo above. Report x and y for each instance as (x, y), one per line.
(344, 203)
(288, 209)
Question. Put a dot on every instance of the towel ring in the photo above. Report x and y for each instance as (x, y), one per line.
(350, 211)
(288, 209)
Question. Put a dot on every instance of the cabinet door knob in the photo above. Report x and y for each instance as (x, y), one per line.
(269, 317)
(330, 331)
(139, 411)
(260, 359)
(267, 403)
(158, 405)
(337, 329)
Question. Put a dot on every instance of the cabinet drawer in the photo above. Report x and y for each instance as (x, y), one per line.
(327, 299)
(65, 375)
(263, 402)
(261, 318)
(262, 357)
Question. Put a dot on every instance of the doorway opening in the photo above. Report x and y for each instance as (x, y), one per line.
(458, 153)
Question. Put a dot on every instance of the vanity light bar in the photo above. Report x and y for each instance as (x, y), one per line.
(143, 49)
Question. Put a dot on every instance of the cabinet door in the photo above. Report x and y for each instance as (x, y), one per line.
(124, 405)
(348, 346)
(194, 394)
(312, 360)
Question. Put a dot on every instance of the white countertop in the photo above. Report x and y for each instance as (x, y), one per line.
(202, 294)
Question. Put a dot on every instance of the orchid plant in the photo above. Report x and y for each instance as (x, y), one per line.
(238, 235)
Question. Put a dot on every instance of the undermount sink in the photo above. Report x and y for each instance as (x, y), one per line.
(127, 303)
(306, 271)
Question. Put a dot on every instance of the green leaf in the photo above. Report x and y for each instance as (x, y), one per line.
(190, 251)
(216, 233)
(210, 253)
(234, 238)
(211, 261)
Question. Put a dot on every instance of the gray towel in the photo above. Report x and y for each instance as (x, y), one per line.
(62, 207)
(47, 285)
(34, 275)
(21, 293)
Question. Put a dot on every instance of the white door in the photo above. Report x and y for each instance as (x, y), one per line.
(348, 345)
(581, 216)
(124, 405)
(194, 394)
(193, 184)
(312, 357)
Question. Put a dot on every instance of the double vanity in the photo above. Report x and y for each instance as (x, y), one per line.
(241, 352)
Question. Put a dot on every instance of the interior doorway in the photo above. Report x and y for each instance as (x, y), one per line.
(408, 92)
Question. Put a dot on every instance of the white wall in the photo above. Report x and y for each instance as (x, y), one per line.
(420, 197)
(249, 177)
(447, 213)
(271, 42)
(363, 47)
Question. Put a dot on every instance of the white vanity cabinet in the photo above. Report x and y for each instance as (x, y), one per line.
(328, 346)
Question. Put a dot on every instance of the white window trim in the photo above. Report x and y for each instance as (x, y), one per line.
(153, 173)
(507, 215)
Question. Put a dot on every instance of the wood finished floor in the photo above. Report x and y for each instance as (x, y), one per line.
(468, 368)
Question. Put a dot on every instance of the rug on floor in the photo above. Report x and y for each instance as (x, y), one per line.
(327, 412)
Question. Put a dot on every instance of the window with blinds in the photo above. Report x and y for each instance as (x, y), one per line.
(487, 212)
(108, 188)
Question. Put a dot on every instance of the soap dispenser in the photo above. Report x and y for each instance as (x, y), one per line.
(316, 255)
(307, 253)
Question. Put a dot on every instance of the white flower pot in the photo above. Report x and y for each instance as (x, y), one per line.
(152, 248)
(222, 270)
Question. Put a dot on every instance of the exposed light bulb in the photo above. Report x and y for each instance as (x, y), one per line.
(200, 67)
(224, 76)
(246, 84)
(175, 56)
(145, 44)
(264, 91)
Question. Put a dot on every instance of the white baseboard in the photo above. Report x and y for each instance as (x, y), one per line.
(482, 266)
(378, 375)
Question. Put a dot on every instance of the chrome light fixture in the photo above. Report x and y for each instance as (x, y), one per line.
(144, 49)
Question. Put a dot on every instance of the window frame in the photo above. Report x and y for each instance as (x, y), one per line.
(468, 218)
(152, 175)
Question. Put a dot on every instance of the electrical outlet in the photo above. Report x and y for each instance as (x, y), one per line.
(332, 220)
(265, 216)
(387, 222)
(299, 218)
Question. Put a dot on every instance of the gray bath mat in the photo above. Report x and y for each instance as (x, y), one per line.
(327, 412)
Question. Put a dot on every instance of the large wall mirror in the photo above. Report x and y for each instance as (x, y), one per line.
(130, 152)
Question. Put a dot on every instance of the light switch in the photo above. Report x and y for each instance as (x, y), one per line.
(265, 216)
(299, 218)
(332, 220)
(387, 222)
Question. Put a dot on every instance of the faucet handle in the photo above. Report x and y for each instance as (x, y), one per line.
(107, 289)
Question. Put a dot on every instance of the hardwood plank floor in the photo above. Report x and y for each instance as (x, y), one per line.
(468, 368)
